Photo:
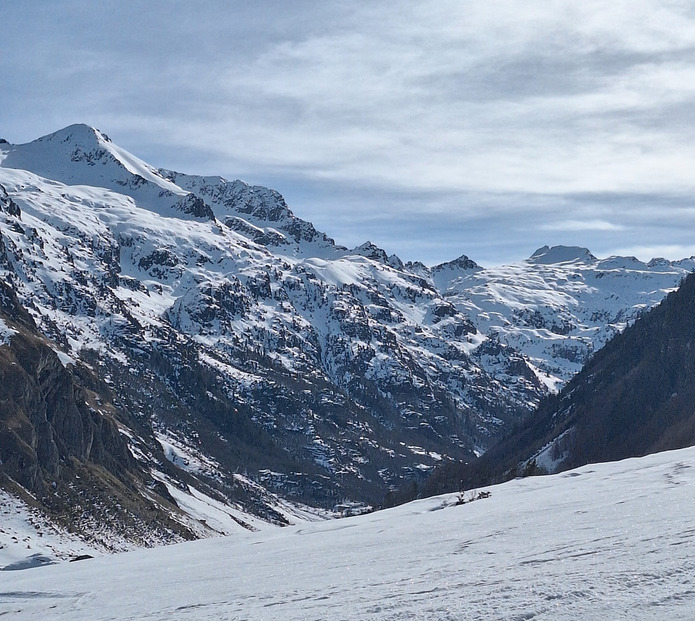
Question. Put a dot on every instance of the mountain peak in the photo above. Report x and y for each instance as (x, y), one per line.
(82, 155)
(54, 154)
(461, 263)
(562, 254)
(371, 251)
(78, 133)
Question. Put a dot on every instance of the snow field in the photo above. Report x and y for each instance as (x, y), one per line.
(610, 541)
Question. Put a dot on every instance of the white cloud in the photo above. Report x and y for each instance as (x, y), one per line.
(647, 252)
(467, 97)
(581, 225)
(462, 111)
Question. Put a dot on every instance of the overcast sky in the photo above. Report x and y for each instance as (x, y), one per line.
(433, 129)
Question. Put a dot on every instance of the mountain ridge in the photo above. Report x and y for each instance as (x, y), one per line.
(239, 341)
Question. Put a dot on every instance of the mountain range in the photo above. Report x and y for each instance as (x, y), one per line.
(172, 340)
(633, 397)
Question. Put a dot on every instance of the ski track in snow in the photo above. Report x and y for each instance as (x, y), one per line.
(610, 541)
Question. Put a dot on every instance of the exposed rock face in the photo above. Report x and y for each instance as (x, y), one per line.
(61, 443)
(67, 446)
(8, 205)
(273, 223)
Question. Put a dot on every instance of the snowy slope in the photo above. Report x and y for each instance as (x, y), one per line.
(258, 213)
(82, 155)
(609, 541)
(104, 272)
(54, 156)
(561, 304)
(28, 539)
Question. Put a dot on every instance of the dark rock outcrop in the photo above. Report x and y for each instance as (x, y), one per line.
(60, 440)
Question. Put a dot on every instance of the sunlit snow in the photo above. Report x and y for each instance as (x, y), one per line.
(610, 541)
(5, 333)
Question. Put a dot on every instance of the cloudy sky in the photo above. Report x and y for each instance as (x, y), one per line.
(432, 128)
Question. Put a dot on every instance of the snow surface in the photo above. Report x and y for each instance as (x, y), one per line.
(28, 539)
(610, 541)
(52, 156)
(5, 333)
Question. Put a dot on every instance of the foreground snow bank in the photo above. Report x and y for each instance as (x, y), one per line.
(609, 541)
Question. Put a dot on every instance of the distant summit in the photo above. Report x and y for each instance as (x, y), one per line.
(562, 254)
(78, 133)
(461, 263)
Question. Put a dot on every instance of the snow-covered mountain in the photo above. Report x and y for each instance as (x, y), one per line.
(635, 396)
(607, 541)
(560, 305)
(248, 349)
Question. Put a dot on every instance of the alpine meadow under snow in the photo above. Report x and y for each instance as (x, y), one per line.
(609, 541)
